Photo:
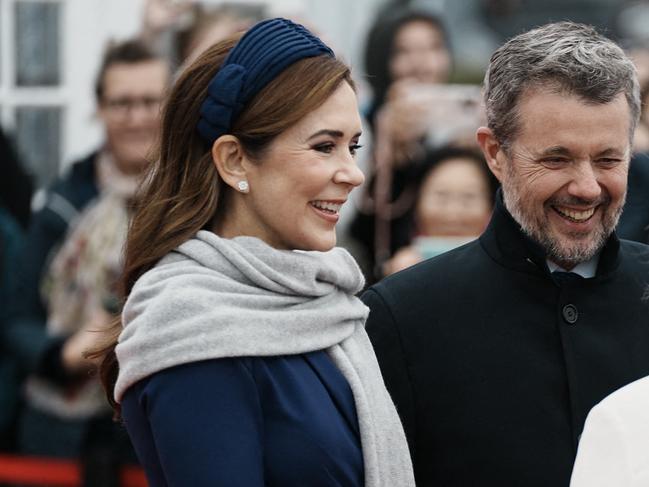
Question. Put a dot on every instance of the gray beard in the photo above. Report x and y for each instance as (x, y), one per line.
(567, 256)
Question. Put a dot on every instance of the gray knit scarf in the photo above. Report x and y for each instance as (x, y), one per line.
(215, 298)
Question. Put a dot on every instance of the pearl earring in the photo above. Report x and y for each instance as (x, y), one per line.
(243, 186)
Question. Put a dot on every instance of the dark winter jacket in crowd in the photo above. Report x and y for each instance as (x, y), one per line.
(10, 244)
(25, 331)
(634, 223)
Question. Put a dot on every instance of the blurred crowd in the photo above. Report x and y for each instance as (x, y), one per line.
(427, 191)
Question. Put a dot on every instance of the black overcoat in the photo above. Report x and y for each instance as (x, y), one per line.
(493, 364)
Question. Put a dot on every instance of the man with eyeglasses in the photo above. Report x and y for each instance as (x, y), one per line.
(129, 90)
(62, 411)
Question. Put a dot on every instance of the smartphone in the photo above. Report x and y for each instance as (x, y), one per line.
(454, 111)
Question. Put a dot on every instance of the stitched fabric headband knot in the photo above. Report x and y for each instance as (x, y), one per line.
(266, 50)
(221, 101)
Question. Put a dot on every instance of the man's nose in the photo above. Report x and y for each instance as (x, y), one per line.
(585, 184)
(142, 113)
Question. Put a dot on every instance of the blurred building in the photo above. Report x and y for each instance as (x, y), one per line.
(49, 55)
(49, 51)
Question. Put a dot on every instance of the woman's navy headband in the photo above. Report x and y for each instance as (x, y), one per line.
(266, 50)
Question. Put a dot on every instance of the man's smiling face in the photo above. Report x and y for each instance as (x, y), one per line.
(564, 175)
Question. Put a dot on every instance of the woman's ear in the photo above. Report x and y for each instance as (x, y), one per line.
(491, 149)
(231, 162)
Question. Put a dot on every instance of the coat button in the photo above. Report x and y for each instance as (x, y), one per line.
(570, 313)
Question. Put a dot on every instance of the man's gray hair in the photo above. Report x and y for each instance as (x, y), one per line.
(563, 56)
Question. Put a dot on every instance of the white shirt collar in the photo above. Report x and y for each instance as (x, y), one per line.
(586, 269)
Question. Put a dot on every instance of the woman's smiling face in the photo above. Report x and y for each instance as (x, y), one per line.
(303, 178)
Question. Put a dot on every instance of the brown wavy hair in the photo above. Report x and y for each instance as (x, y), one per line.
(183, 192)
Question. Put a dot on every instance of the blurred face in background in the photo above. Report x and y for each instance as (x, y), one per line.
(454, 201)
(130, 110)
(420, 53)
(644, 117)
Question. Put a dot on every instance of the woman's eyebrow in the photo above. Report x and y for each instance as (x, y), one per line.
(333, 133)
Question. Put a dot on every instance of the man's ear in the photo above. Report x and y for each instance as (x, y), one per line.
(492, 151)
(230, 160)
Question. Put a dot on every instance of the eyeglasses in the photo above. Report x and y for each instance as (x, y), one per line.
(122, 107)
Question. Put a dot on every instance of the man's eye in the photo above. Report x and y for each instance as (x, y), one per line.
(554, 161)
(119, 103)
(606, 161)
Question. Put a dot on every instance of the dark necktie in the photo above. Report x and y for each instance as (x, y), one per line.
(563, 277)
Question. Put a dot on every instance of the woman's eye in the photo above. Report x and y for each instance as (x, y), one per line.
(353, 148)
(325, 148)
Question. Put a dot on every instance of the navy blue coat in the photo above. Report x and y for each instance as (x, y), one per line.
(284, 421)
